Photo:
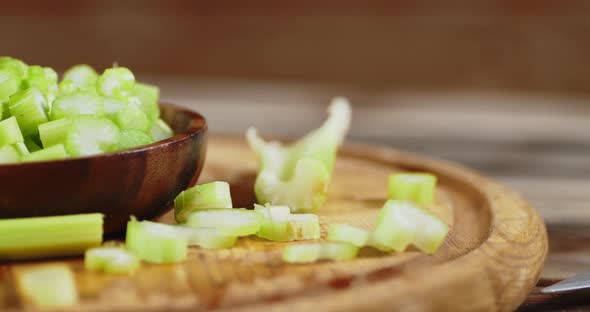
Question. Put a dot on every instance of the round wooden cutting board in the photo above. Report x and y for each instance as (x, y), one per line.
(489, 262)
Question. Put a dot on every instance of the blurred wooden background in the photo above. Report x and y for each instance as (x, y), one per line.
(502, 86)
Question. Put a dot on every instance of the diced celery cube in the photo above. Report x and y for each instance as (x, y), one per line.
(10, 132)
(111, 260)
(133, 138)
(161, 130)
(17, 67)
(132, 117)
(77, 104)
(117, 81)
(82, 76)
(54, 132)
(92, 135)
(9, 154)
(21, 148)
(348, 234)
(44, 79)
(8, 85)
(49, 153)
(47, 286)
(233, 222)
(28, 107)
(66, 87)
(153, 242)
(416, 187)
(204, 196)
(148, 96)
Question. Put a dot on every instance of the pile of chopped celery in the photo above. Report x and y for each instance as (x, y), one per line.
(84, 114)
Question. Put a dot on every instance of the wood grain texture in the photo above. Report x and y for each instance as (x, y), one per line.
(491, 259)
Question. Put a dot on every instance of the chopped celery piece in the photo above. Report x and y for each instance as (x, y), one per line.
(401, 223)
(21, 148)
(416, 187)
(148, 98)
(31, 145)
(28, 107)
(49, 153)
(204, 196)
(54, 132)
(113, 105)
(117, 81)
(49, 236)
(156, 243)
(82, 76)
(133, 138)
(77, 104)
(47, 286)
(44, 79)
(10, 132)
(9, 154)
(17, 67)
(66, 87)
(132, 117)
(312, 252)
(92, 135)
(298, 175)
(8, 85)
(161, 131)
(280, 225)
(348, 234)
(111, 260)
(204, 237)
(232, 221)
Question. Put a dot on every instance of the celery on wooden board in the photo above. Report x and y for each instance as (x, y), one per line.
(47, 286)
(231, 221)
(348, 234)
(155, 243)
(280, 225)
(9, 154)
(161, 130)
(133, 138)
(90, 135)
(298, 175)
(416, 187)
(312, 252)
(10, 132)
(204, 196)
(82, 76)
(53, 152)
(401, 223)
(29, 108)
(39, 237)
(54, 132)
(111, 260)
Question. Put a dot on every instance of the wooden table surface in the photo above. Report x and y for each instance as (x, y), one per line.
(539, 144)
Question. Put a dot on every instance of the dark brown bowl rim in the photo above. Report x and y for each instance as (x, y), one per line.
(188, 133)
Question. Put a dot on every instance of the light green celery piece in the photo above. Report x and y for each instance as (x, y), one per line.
(38, 237)
(204, 196)
(275, 225)
(416, 187)
(66, 87)
(9, 154)
(92, 135)
(31, 145)
(345, 233)
(133, 138)
(17, 67)
(77, 104)
(45, 80)
(8, 85)
(155, 243)
(312, 252)
(231, 221)
(47, 286)
(117, 81)
(298, 175)
(5, 109)
(82, 76)
(205, 237)
(161, 130)
(132, 117)
(49, 153)
(303, 227)
(54, 132)
(10, 132)
(21, 148)
(431, 233)
(148, 96)
(113, 105)
(116, 260)
(29, 109)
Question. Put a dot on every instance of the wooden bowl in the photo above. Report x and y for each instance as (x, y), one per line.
(141, 182)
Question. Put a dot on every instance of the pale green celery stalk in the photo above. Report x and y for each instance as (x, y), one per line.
(231, 221)
(49, 236)
(50, 153)
(111, 260)
(10, 132)
(204, 196)
(280, 225)
(401, 223)
(298, 175)
(312, 252)
(348, 234)
(47, 286)
(153, 242)
(416, 187)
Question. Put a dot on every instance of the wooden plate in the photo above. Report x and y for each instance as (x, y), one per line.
(489, 262)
